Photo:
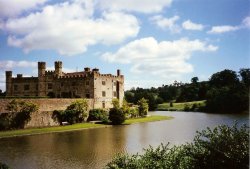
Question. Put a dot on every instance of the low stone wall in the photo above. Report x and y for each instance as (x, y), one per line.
(43, 117)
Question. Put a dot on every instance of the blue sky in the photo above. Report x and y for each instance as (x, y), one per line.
(152, 42)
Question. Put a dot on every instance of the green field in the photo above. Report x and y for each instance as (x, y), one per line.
(179, 106)
(79, 126)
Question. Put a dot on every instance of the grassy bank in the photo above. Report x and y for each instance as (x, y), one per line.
(79, 126)
(179, 106)
(147, 119)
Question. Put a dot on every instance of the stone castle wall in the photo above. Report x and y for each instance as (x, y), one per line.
(43, 117)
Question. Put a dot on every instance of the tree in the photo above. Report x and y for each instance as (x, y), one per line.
(98, 114)
(224, 78)
(76, 112)
(116, 103)
(194, 80)
(245, 76)
(143, 107)
(79, 108)
(19, 114)
(116, 116)
(226, 93)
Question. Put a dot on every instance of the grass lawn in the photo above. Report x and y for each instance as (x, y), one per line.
(179, 106)
(33, 131)
(147, 119)
(79, 126)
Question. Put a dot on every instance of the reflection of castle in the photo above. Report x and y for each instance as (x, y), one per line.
(86, 84)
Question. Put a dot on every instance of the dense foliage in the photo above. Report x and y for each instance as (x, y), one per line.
(225, 92)
(18, 115)
(98, 114)
(76, 112)
(3, 166)
(142, 107)
(220, 148)
(116, 116)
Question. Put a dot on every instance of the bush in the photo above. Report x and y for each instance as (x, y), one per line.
(220, 148)
(187, 107)
(3, 166)
(79, 109)
(98, 114)
(116, 116)
(76, 112)
(19, 114)
(142, 107)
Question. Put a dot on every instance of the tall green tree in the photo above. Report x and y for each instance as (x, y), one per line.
(142, 107)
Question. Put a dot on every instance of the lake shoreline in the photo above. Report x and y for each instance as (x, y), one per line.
(76, 127)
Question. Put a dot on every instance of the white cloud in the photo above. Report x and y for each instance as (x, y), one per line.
(166, 23)
(246, 22)
(189, 25)
(149, 57)
(228, 28)
(223, 29)
(144, 6)
(69, 28)
(10, 64)
(11, 8)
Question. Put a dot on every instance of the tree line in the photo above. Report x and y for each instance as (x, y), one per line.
(225, 92)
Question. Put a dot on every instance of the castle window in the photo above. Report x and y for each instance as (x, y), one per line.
(114, 94)
(26, 87)
(50, 85)
(103, 94)
(103, 105)
(15, 87)
(36, 86)
(87, 95)
(103, 83)
(87, 83)
(62, 84)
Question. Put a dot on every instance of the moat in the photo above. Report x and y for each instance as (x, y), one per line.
(93, 148)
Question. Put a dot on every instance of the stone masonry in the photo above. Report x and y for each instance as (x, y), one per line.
(90, 84)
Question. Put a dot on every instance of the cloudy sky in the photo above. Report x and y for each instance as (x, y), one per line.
(153, 42)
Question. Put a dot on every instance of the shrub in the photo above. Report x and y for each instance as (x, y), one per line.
(78, 108)
(116, 116)
(220, 148)
(18, 116)
(76, 112)
(142, 107)
(3, 166)
(187, 107)
(5, 121)
(116, 103)
(171, 104)
(98, 114)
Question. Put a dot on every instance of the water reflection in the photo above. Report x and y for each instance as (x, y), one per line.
(93, 148)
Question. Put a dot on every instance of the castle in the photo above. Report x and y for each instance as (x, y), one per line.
(90, 84)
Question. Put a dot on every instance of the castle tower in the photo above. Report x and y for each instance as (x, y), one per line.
(41, 79)
(41, 68)
(8, 83)
(58, 68)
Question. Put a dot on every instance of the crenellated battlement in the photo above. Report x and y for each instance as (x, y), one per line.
(87, 83)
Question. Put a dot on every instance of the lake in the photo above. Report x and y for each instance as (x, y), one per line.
(93, 148)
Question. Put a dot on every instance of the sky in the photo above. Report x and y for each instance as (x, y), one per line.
(153, 42)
